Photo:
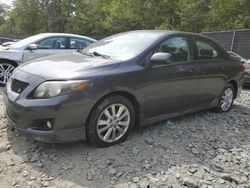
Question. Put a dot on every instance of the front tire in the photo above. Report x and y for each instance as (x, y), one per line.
(111, 121)
(6, 69)
(226, 99)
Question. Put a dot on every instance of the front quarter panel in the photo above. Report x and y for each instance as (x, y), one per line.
(128, 77)
(12, 55)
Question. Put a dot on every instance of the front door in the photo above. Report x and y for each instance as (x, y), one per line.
(172, 86)
(48, 46)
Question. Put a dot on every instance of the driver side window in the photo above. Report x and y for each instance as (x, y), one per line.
(178, 47)
(52, 43)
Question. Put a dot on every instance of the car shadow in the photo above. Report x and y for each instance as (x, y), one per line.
(189, 139)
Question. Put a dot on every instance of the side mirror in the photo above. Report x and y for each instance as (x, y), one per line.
(33, 47)
(161, 58)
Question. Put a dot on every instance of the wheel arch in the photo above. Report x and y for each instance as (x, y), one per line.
(125, 94)
(235, 85)
(9, 61)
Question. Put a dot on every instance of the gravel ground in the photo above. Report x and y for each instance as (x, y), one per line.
(204, 149)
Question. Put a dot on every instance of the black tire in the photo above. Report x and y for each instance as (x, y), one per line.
(92, 135)
(6, 63)
(219, 108)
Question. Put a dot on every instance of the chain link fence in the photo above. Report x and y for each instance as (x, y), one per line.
(237, 41)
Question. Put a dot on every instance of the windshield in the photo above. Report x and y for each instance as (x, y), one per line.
(123, 46)
(25, 41)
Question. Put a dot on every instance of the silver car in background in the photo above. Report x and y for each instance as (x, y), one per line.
(38, 46)
(246, 82)
(236, 56)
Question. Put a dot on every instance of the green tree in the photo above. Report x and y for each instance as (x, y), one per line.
(26, 18)
(140, 14)
(193, 15)
(57, 13)
(105, 17)
(87, 17)
(228, 15)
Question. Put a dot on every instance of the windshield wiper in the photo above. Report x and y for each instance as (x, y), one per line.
(102, 55)
(85, 53)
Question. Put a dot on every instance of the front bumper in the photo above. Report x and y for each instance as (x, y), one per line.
(67, 113)
(68, 121)
(48, 136)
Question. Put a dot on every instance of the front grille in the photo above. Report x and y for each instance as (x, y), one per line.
(18, 86)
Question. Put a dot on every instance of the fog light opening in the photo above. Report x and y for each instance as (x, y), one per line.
(49, 125)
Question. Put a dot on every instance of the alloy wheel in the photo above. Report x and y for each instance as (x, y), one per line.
(113, 122)
(6, 70)
(227, 99)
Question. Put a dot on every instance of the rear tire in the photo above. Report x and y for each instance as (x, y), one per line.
(226, 99)
(111, 121)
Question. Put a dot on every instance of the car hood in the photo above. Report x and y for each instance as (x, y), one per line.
(68, 66)
(2, 47)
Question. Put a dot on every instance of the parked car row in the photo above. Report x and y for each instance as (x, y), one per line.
(99, 93)
(38, 46)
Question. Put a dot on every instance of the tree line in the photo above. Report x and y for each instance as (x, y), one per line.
(105, 17)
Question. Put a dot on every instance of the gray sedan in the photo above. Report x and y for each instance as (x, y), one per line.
(130, 79)
(38, 46)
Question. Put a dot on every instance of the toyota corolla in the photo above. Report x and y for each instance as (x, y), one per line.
(129, 79)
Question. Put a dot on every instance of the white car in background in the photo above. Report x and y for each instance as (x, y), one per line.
(38, 46)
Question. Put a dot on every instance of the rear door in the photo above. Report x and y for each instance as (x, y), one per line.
(173, 86)
(48, 46)
(213, 65)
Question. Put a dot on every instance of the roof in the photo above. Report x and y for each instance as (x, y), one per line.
(65, 34)
(169, 32)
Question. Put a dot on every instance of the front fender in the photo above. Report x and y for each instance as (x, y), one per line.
(11, 55)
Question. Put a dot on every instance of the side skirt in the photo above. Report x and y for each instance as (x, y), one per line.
(205, 106)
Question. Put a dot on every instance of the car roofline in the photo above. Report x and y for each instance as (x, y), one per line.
(66, 34)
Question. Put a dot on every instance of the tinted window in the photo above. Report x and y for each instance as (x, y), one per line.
(52, 43)
(178, 47)
(207, 50)
(77, 43)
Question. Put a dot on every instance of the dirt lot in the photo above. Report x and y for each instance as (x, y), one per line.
(205, 149)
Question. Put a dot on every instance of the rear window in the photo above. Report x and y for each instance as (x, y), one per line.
(207, 50)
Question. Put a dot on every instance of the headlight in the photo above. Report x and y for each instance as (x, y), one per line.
(55, 88)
